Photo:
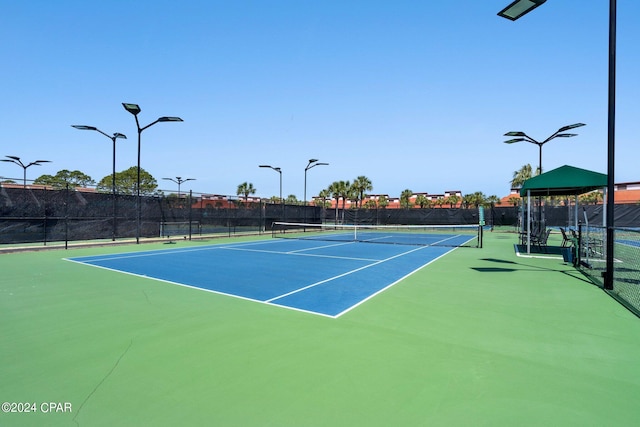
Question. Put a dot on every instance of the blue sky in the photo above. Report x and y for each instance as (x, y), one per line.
(412, 94)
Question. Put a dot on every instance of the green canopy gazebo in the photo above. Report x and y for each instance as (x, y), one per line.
(563, 181)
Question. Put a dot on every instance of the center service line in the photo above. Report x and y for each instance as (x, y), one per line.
(344, 274)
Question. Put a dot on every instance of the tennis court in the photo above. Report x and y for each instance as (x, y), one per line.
(316, 276)
(477, 337)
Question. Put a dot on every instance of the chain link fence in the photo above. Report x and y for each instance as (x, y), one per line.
(30, 214)
(592, 255)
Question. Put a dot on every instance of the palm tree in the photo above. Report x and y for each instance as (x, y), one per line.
(383, 202)
(321, 200)
(245, 189)
(478, 199)
(591, 197)
(405, 198)
(492, 200)
(423, 201)
(453, 200)
(360, 185)
(520, 176)
(292, 200)
(370, 204)
(468, 200)
(337, 190)
(345, 191)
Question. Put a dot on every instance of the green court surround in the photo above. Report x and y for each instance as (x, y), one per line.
(479, 337)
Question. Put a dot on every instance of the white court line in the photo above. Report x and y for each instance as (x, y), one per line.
(344, 274)
(436, 243)
(323, 246)
(390, 285)
(296, 253)
(164, 251)
(235, 247)
(107, 257)
(199, 288)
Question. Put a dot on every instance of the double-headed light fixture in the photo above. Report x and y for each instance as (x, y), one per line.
(135, 110)
(558, 134)
(17, 161)
(113, 138)
(179, 180)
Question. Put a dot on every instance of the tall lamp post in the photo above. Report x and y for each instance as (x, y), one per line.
(279, 170)
(312, 163)
(179, 181)
(113, 138)
(519, 8)
(17, 161)
(558, 134)
(135, 110)
(526, 138)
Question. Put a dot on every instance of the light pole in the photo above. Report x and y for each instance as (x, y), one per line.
(135, 110)
(520, 7)
(558, 134)
(312, 163)
(524, 137)
(279, 170)
(17, 161)
(179, 181)
(113, 138)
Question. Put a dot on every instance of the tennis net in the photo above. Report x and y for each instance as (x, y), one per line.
(422, 235)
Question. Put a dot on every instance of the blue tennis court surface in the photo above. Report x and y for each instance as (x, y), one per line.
(326, 278)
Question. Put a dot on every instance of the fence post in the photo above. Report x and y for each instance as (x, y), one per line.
(190, 194)
(66, 217)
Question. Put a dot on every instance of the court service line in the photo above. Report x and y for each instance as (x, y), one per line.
(125, 255)
(453, 237)
(322, 247)
(294, 253)
(344, 274)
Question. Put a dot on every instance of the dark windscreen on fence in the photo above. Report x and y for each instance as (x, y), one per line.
(31, 215)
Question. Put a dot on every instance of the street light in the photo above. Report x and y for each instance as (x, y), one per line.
(179, 181)
(558, 134)
(135, 110)
(17, 161)
(611, 132)
(524, 137)
(519, 8)
(312, 163)
(113, 138)
(279, 170)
